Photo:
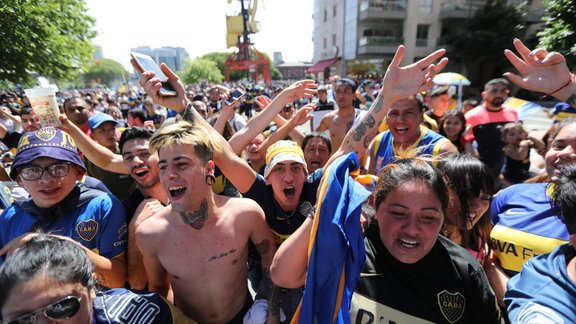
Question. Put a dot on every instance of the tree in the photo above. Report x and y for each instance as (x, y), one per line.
(559, 33)
(104, 71)
(50, 37)
(202, 69)
(482, 40)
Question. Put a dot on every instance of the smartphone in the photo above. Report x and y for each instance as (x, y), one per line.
(146, 63)
(235, 95)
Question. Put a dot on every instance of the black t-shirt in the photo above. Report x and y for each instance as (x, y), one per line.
(131, 202)
(447, 286)
(284, 223)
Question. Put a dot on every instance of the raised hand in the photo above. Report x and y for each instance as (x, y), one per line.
(151, 85)
(299, 89)
(401, 82)
(304, 114)
(263, 102)
(540, 70)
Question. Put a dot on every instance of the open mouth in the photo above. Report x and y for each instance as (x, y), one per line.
(289, 191)
(176, 192)
(316, 164)
(408, 244)
(401, 131)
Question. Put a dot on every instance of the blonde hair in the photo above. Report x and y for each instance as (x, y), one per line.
(202, 139)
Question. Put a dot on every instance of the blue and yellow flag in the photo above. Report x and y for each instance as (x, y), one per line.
(336, 247)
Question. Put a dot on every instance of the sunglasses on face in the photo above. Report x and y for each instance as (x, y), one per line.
(287, 109)
(59, 311)
(57, 170)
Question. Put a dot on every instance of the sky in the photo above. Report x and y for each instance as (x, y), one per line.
(199, 26)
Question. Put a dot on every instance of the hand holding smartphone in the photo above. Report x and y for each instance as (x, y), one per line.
(236, 95)
(146, 63)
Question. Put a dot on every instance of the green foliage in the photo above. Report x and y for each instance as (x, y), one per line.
(487, 34)
(360, 67)
(559, 34)
(50, 37)
(202, 69)
(104, 71)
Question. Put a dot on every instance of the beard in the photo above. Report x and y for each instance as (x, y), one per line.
(497, 102)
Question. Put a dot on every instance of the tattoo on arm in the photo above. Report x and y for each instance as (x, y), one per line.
(377, 104)
(189, 113)
(263, 247)
(197, 218)
(366, 124)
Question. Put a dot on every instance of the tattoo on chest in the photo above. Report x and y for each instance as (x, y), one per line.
(221, 255)
(263, 247)
(197, 218)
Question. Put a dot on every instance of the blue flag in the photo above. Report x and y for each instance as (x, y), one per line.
(336, 245)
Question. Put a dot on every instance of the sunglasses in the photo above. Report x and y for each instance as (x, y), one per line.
(287, 109)
(58, 311)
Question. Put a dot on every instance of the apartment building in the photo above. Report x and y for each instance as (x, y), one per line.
(371, 30)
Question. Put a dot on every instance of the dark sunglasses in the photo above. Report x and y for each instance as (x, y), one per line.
(58, 311)
(287, 109)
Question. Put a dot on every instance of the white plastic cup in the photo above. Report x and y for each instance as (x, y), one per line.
(44, 105)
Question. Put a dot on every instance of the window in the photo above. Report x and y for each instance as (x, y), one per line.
(422, 35)
(425, 6)
(325, 14)
(333, 39)
(325, 42)
(334, 11)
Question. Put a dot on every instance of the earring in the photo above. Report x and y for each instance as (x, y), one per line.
(210, 179)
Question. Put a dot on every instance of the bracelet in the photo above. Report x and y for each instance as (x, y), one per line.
(564, 85)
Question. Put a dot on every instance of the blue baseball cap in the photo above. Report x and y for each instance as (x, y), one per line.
(46, 142)
(98, 119)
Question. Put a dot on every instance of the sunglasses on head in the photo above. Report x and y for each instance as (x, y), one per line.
(61, 310)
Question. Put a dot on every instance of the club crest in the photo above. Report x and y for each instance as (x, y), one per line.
(87, 229)
(452, 305)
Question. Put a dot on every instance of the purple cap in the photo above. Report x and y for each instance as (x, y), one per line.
(46, 142)
(99, 119)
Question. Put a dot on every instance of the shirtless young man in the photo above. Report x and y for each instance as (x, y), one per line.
(199, 245)
(340, 121)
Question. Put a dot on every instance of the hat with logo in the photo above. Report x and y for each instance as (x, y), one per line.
(98, 119)
(46, 142)
(283, 151)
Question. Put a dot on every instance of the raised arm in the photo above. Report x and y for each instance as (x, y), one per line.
(398, 83)
(232, 166)
(94, 152)
(299, 89)
(542, 71)
(302, 116)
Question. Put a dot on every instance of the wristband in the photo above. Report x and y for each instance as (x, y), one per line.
(564, 85)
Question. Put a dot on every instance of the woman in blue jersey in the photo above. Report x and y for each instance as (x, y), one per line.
(51, 279)
(406, 133)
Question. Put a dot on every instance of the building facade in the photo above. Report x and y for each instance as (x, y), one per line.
(172, 56)
(371, 30)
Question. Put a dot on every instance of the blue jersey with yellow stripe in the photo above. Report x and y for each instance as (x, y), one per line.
(99, 225)
(429, 143)
(525, 225)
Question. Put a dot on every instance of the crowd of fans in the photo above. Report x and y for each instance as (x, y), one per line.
(202, 207)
